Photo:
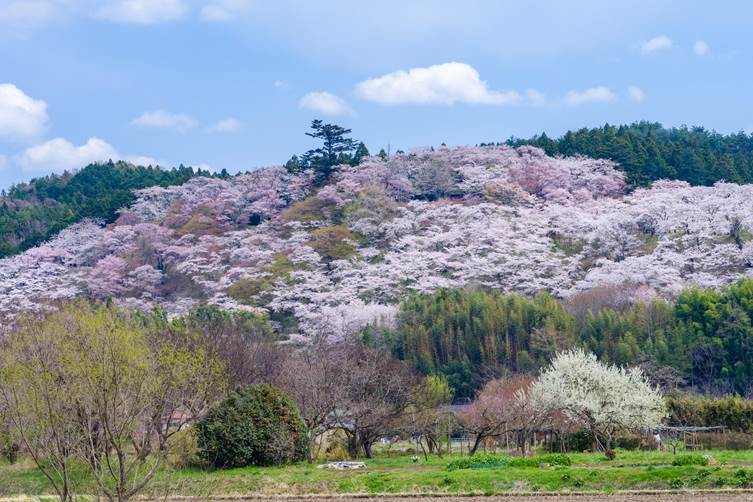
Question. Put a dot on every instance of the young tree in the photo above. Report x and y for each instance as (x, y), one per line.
(35, 396)
(136, 386)
(336, 148)
(106, 387)
(502, 405)
(601, 398)
(424, 417)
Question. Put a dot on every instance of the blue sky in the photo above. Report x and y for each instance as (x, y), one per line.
(234, 83)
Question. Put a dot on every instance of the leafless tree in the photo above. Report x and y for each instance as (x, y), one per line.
(243, 341)
(316, 378)
(378, 390)
(501, 406)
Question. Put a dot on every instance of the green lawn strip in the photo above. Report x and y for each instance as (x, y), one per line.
(392, 475)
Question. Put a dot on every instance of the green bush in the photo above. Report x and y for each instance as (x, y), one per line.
(183, 449)
(691, 459)
(254, 425)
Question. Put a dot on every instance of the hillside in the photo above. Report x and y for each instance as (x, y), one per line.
(330, 257)
(31, 213)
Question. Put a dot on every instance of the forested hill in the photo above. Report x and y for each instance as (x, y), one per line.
(338, 241)
(33, 212)
(648, 152)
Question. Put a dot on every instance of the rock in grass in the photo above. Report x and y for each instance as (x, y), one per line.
(341, 466)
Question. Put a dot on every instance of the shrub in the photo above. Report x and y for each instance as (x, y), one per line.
(254, 425)
(692, 459)
(183, 449)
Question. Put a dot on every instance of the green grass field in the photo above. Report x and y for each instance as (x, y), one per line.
(631, 470)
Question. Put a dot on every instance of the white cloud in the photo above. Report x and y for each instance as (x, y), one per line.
(142, 11)
(15, 14)
(59, 154)
(326, 103)
(281, 84)
(701, 48)
(229, 124)
(659, 43)
(224, 10)
(535, 97)
(636, 94)
(3, 161)
(445, 84)
(162, 119)
(20, 115)
(600, 94)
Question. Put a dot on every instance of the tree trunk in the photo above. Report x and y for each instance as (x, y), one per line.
(366, 447)
(476, 444)
(353, 446)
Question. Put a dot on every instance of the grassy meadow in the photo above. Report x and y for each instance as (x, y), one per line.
(631, 470)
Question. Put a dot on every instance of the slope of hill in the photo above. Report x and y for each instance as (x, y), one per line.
(31, 213)
(648, 152)
(334, 258)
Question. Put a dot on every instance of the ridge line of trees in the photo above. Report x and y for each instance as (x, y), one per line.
(33, 212)
(647, 151)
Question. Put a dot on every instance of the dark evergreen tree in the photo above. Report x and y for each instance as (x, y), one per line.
(336, 148)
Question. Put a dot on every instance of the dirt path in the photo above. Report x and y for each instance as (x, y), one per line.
(653, 497)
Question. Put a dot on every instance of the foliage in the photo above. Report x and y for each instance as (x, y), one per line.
(485, 331)
(470, 335)
(95, 385)
(333, 243)
(690, 459)
(184, 450)
(378, 390)
(32, 212)
(336, 149)
(732, 412)
(253, 425)
(503, 405)
(648, 152)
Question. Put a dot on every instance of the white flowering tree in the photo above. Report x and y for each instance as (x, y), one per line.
(599, 397)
